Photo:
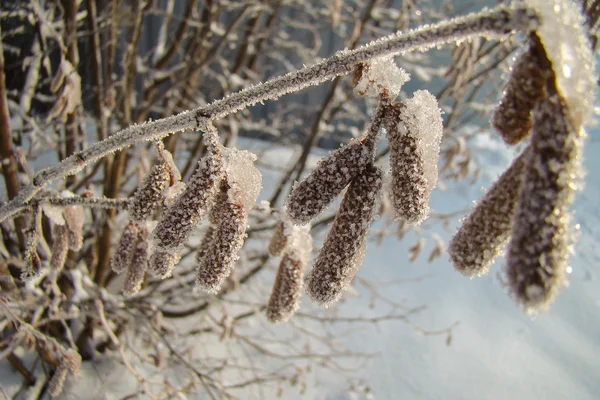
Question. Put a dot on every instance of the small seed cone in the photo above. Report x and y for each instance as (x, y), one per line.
(525, 87)
(180, 220)
(124, 252)
(486, 230)
(60, 247)
(333, 173)
(148, 196)
(537, 257)
(228, 237)
(343, 251)
(139, 264)
(278, 240)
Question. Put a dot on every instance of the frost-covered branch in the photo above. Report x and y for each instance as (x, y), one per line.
(494, 23)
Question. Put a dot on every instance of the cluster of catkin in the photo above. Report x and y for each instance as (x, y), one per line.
(224, 185)
(527, 207)
(413, 130)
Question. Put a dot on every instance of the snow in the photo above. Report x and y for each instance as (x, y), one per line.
(381, 73)
(562, 32)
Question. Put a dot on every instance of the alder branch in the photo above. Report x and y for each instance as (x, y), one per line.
(494, 23)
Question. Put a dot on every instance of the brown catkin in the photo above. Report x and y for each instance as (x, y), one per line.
(414, 133)
(139, 264)
(287, 290)
(525, 87)
(60, 247)
(333, 173)
(57, 382)
(162, 262)
(205, 245)
(148, 196)
(343, 250)
(124, 252)
(180, 220)
(230, 220)
(537, 256)
(278, 240)
(486, 230)
(74, 219)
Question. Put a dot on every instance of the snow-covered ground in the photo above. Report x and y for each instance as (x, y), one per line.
(497, 352)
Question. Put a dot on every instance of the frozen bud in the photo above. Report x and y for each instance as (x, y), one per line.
(230, 218)
(537, 256)
(344, 248)
(414, 135)
(525, 87)
(148, 196)
(60, 247)
(278, 240)
(55, 386)
(381, 74)
(319, 189)
(486, 230)
(163, 262)
(74, 218)
(180, 220)
(124, 252)
(287, 290)
(139, 264)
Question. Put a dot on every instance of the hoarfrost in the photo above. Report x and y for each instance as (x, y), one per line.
(381, 73)
(243, 177)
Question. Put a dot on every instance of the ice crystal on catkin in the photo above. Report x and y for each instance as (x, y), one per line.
(287, 290)
(486, 230)
(244, 179)
(124, 251)
(74, 218)
(525, 87)
(316, 192)
(537, 256)
(60, 247)
(162, 262)
(205, 245)
(378, 75)
(343, 250)
(139, 264)
(180, 220)
(563, 35)
(147, 197)
(230, 218)
(414, 134)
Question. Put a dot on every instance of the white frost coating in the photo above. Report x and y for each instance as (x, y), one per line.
(173, 192)
(300, 242)
(243, 177)
(382, 73)
(54, 213)
(562, 32)
(425, 122)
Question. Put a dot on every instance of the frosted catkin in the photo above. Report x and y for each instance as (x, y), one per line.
(139, 264)
(278, 240)
(124, 251)
(180, 220)
(287, 290)
(525, 87)
(537, 256)
(60, 247)
(316, 192)
(162, 262)
(343, 250)
(148, 196)
(485, 232)
(414, 134)
(57, 382)
(205, 245)
(230, 218)
(74, 218)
